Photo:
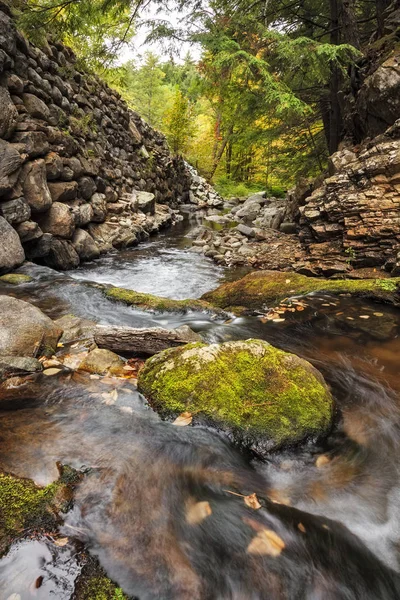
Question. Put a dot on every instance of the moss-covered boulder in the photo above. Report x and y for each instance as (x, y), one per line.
(262, 289)
(157, 303)
(263, 397)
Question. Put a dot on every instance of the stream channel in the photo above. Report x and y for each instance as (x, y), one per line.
(340, 520)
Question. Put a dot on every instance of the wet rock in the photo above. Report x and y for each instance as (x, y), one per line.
(11, 252)
(35, 188)
(75, 328)
(58, 221)
(129, 340)
(18, 365)
(8, 114)
(85, 245)
(100, 362)
(15, 211)
(61, 254)
(263, 397)
(25, 330)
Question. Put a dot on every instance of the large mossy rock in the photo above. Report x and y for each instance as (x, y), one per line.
(263, 397)
(263, 289)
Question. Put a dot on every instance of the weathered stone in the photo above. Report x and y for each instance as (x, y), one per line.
(8, 41)
(10, 161)
(15, 84)
(25, 330)
(75, 328)
(245, 230)
(54, 166)
(39, 248)
(58, 220)
(62, 255)
(11, 366)
(63, 191)
(83, 214)
(99, 205)
(85, 245)
(8, 114)
(35, 188)
(11, 251)
(35, 143)
(15, 211)
(146, 202)
(36, 107)
(102, 362)
(28, 231)
(87, 187)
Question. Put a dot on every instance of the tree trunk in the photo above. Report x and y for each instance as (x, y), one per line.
(381, 6)
(335, 116)
(128, 340)
(349, 33)
(220, 152)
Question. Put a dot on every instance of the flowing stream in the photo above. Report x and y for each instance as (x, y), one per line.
(339, 518)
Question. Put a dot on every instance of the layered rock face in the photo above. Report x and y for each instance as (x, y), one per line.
(353, 218)
(74, 160)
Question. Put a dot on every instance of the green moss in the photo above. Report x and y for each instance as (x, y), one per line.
(23, 504)
(249, 386)
(101, 588)
(150, 302)
(267, 288)
(15, 278)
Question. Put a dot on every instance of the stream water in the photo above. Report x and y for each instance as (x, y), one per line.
(339, 517)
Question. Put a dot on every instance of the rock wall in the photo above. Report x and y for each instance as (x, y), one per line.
(79, 172)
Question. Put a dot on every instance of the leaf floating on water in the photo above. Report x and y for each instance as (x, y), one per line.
(278, 320)
(114, 395)
(52, 371)
(184, 419)
(252, 501)
(364, 316)
(301, 527)
(350, 318)
(377, 314)
(266, 542)
(322, 461)
(198, 512)
(61, 542)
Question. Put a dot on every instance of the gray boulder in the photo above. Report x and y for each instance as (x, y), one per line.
(63, 191)
(36, 107)
(10, 161)
(58, 220)
(35, 187)
(8, 114)
(62, 255)
(99, 205)
(85, 245)
(146, 202)
(15, 211)
(11, 251)
(18, 365)
(25, 330)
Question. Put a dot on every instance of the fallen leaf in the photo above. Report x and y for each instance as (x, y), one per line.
(287, 281)
(364, 316)
(252, 501)
(299, 307)
(61, 542)
(60, 345)
(198, 512)
(278, 320)
(50, 372)
(183, 419)
(350, 318)
(266, 542)
(114, 395)
(47, 364)
(377, 314)
(128, 368)
(322, 461)
(94, 376)
(301, 527)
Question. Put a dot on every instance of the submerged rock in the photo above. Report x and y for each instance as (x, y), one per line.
(260, 395)
(262, 289)
(25, 330)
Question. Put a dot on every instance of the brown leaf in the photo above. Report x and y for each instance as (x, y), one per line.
(60, 542)
(322, 461)
(252, 501)
(364, 316)
(51, 372)
(183, 419)
(378, 314)
(266, 542)
(198, 512)
(301, 527)
(299, 307)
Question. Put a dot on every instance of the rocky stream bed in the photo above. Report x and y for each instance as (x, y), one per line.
(256, 456)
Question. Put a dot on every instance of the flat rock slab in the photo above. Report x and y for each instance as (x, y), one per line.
(128, 340)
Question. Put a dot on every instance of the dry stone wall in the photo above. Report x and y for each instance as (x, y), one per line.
(80, 173)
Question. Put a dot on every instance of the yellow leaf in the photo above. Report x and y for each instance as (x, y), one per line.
(183, 419)
(322, 461)
(252, 501)
(198, 512)
(287, 281)
(364, 316)
(50, 372)
(266, 542)
(60, 345)
(377, 314)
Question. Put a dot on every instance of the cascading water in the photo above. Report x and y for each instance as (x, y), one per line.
(139, 505)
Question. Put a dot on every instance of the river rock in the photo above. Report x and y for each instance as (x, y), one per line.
(15, 211)
(10, 161)
(261, 396)
(18, 365)
(63, 191)
(101, 361)
(28, 231)
(75, 328)
(25, 330)
(60, 254)
(11, 252)
(85, 245)
(99, 205)
(146, 202)
(36, 107)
